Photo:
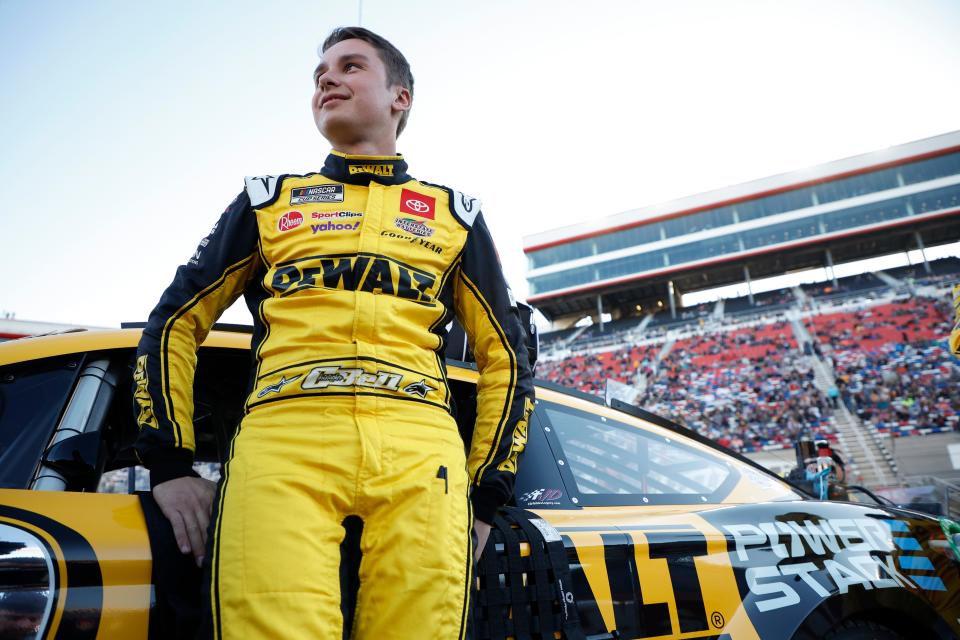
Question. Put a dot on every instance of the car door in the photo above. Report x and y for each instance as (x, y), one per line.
(625, 501)
(72, 563)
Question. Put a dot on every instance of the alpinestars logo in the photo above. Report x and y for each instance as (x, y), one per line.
(278, 387)
(419, 389)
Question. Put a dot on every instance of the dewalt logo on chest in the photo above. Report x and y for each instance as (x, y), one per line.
(371, 273)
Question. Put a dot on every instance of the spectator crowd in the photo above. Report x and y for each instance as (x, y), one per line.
(746, 385)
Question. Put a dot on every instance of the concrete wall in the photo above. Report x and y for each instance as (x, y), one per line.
(928, 455)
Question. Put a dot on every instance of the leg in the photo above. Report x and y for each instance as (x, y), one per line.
(276, 548)
(417, 562)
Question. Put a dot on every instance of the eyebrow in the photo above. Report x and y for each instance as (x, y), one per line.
(350, 56)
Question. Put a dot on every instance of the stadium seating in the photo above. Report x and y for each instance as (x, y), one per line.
(746, 383)
(893, 367)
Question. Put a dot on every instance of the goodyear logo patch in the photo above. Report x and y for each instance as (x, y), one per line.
(432, 246)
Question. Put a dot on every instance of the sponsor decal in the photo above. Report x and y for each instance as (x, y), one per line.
(839, 553)
(289, 221)
(317, 193)
(542, 496)
(375, 169)
(549, 533)
(335, 226)
(278, 387)
(325, 377)
(415, 227)
(146, 418)
(419, 389)
(519, 439)
(414, 240)
(356, 273)
(323, 215)
(195, 258)
(417, 204)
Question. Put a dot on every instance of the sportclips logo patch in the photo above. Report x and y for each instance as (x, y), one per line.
(317, 193)
(289, 221)
(330, 225)
(417, 204)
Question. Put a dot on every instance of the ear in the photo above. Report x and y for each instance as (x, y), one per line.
(402, 101)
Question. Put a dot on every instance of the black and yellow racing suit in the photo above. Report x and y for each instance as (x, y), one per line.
(352, 276)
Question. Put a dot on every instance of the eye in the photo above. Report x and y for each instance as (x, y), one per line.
(350, 65)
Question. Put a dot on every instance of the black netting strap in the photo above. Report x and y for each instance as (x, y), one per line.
(525, 589)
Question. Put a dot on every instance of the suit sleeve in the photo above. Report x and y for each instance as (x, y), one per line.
(955, 334)
(488, 313)
(215, 276)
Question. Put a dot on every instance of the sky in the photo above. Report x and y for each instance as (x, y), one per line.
(127, 128)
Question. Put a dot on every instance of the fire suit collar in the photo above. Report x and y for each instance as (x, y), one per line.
(364, 169)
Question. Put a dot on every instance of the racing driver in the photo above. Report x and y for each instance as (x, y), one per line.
(352, 275)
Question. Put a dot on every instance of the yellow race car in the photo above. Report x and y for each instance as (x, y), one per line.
(625, 525)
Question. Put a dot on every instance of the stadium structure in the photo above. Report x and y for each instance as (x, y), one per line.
(903, 197)
(862, 361)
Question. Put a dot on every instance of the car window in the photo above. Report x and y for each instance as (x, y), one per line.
(138, 478)
(32, 397)
(614, 463)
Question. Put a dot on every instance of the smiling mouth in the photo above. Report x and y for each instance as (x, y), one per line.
(331, 100)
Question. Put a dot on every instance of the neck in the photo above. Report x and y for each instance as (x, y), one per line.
(367, 146)
(367, 149)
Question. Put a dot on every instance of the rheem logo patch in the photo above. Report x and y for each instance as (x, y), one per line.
(289, 220)
(417, 204)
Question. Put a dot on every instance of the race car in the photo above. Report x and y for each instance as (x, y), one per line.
(625, 525)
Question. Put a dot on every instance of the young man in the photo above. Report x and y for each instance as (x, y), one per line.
(352, 275)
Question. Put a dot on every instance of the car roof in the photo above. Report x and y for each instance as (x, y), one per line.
(239, 337)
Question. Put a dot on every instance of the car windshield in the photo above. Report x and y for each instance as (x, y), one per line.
(613, 461)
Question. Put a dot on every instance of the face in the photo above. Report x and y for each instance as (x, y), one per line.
(351, 100)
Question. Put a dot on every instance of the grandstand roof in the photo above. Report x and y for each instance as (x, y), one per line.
(628, 269)
(863, 163)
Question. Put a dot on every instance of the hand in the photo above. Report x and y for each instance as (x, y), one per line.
(186, 502)
(482, 529)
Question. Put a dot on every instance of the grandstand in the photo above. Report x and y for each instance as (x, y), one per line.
(859, 360)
